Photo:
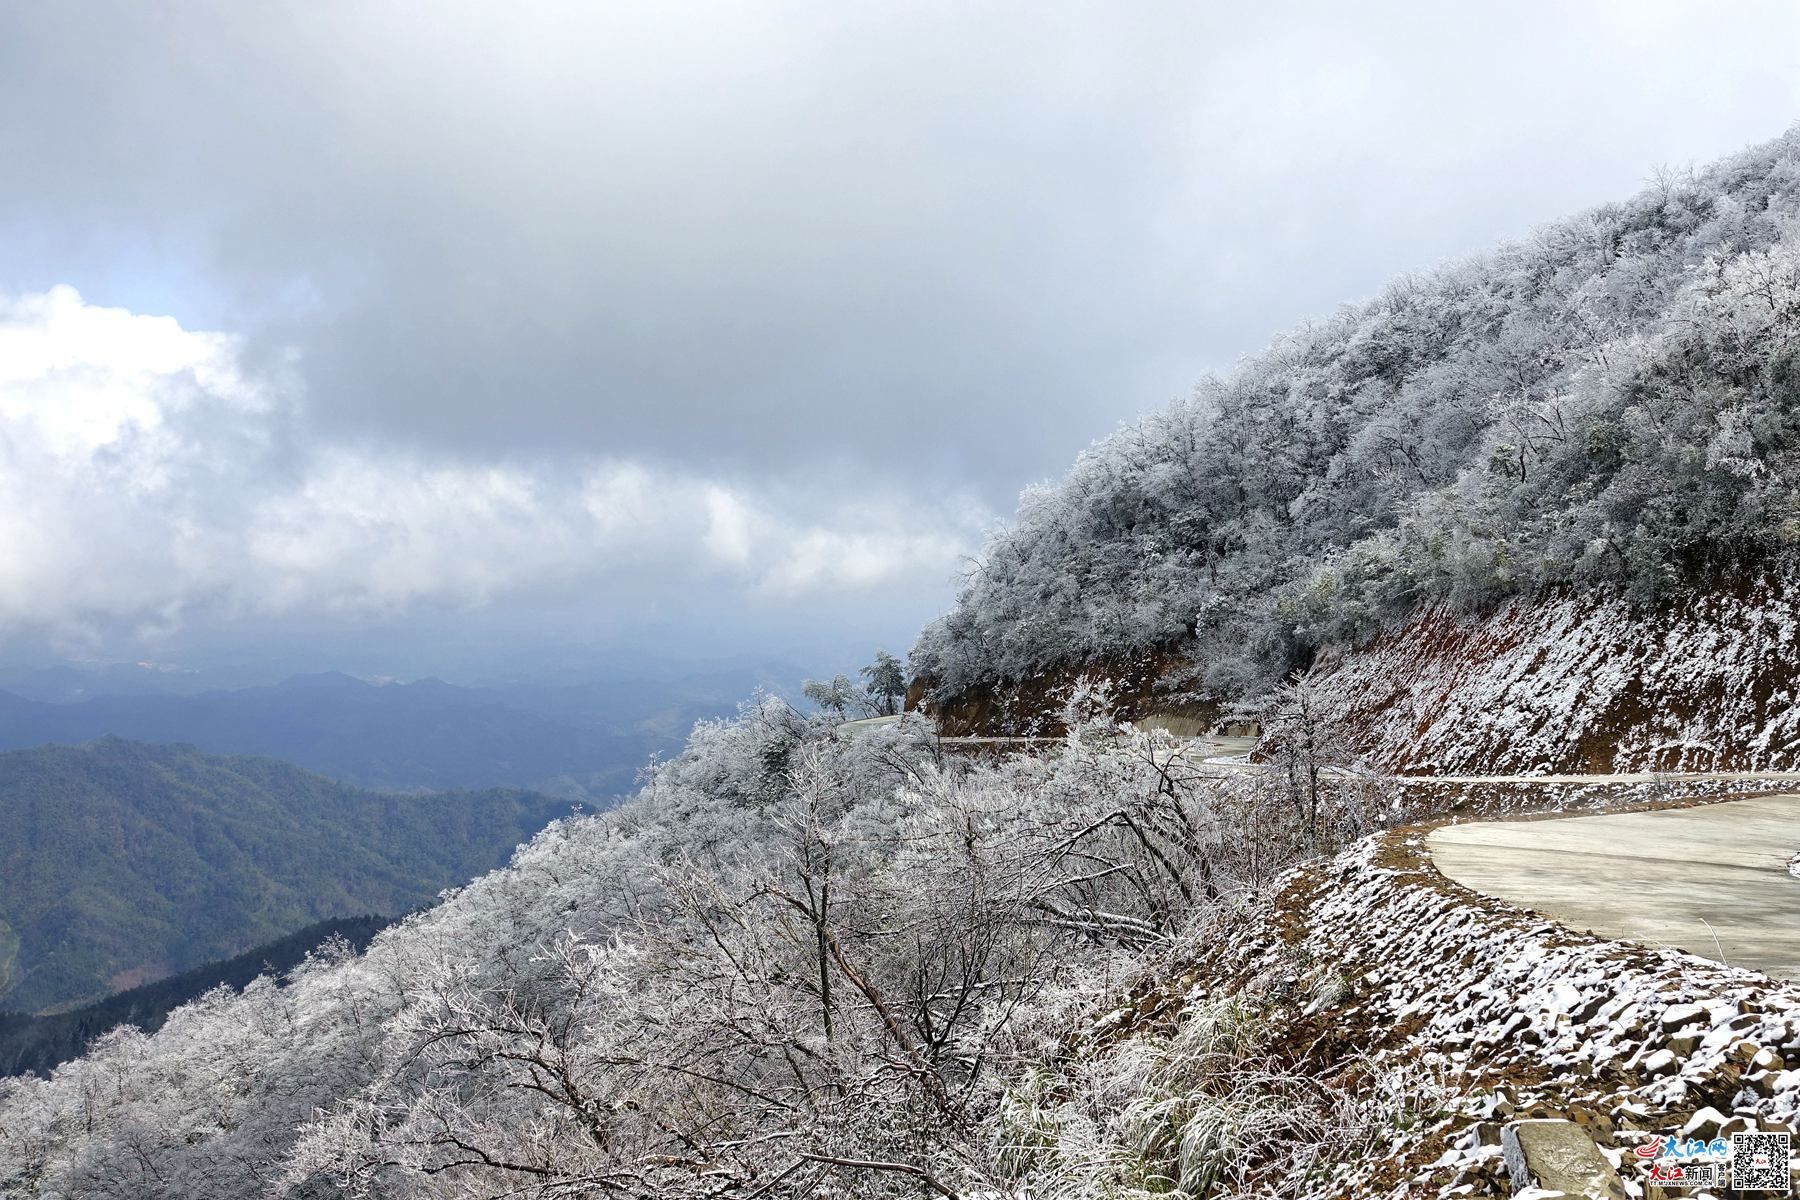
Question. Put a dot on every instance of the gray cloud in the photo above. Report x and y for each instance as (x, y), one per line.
(811, 256)
(149, 482)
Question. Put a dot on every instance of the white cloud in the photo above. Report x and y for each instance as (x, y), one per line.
(148, 481)
(367, 534)
(729, 537)
(816, 560)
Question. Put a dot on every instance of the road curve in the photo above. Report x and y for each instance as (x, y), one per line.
(1719, 880)
(1712, 880)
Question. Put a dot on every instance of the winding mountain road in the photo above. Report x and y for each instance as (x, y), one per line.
(1719, 880)
(1713, 880)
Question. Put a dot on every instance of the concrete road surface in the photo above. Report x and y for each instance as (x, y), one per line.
(1712, 880)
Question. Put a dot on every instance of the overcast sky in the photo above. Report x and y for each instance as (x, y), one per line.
(710, 327)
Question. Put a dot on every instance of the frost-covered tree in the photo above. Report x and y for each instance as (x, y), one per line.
(1315, 766)
(886, 685)
(836, 695)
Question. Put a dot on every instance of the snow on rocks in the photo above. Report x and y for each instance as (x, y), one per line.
(1530, 1020)
(1583, 682)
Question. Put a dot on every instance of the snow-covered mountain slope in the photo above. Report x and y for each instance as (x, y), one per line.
(1582, 409)
(1582, 682)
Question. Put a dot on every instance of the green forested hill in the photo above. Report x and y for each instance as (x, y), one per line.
(121, 862)
(39, 1043)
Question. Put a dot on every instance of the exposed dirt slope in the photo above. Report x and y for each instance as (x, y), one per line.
(1034, 707)
(1582, 683)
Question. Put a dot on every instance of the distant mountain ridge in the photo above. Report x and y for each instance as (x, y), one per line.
(124, 862)
(583, 741)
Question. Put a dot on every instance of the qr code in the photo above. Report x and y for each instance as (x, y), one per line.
(1759, 1162)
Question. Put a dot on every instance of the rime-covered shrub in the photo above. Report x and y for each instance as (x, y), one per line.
(801, 962)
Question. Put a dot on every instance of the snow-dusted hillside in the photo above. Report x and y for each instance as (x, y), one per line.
(1587, 408)
(1587, 682)
(803, 963)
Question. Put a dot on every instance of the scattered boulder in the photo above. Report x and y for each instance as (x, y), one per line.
(1677, 1015)
(1558, 1156)
(1687, 1041)
(1704, 1125)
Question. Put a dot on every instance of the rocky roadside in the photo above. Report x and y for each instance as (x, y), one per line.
(1541, 1040)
